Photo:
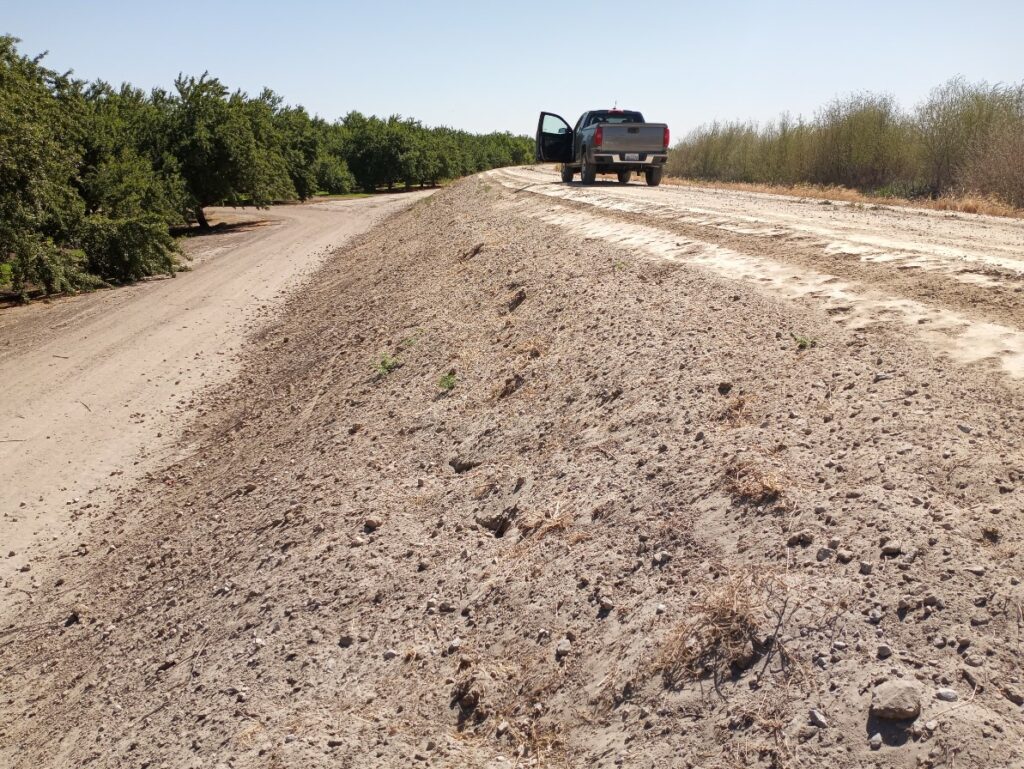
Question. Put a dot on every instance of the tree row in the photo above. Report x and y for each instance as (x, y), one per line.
(94, 179)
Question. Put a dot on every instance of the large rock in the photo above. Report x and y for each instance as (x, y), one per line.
(896, 701)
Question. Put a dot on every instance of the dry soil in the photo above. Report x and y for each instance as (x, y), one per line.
(562, 476)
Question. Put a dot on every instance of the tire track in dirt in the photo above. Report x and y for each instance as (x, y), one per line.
(971, 317)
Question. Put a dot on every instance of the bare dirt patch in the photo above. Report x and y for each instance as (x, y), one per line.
(358, 567)
(97, 387)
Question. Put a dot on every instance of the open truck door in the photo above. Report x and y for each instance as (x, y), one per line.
(554, 139)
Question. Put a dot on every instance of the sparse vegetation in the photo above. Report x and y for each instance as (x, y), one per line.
(719, 633)
(387, 364)
(803, 342)
(965, 140)
(410, 341)
(737, 411)
(447, 382)
(749, 482)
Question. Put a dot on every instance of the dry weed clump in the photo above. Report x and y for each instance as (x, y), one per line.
(737, 412)
(720, 634)
(505, 703)
(748, 482)
(533, 348)
(533, 743)
(540, 523)
(763, 720)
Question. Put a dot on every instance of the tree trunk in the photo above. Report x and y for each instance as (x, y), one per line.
(201, 218)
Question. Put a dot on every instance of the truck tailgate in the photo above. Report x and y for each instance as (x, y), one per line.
(635, 137)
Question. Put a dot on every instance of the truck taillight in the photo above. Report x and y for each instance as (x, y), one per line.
(599, 136)
(666, 137)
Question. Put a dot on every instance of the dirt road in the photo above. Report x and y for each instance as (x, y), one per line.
(956, 282)
(96, 387)
(550, 476)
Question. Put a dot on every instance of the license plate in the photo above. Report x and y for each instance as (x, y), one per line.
(632, 156)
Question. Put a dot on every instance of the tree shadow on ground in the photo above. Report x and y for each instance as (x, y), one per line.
(221, 228)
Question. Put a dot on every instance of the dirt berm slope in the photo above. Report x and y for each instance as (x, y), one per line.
(650, 524)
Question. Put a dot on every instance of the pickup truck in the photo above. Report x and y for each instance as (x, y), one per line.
(604, 141)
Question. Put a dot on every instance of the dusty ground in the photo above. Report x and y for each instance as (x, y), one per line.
(538, 475)
(96, 387)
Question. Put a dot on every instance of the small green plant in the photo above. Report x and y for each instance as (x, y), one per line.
(617, 265)
(804, 342)
(387, 364)
(447, 382)
(411, 341)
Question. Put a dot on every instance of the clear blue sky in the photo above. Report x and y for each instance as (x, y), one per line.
(493, 65)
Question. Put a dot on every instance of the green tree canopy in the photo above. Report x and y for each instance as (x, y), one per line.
(93, 178)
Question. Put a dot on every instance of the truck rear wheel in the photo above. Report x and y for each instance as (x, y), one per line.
(567, 173)
(588, 172)
(653, 176)
(625, 176)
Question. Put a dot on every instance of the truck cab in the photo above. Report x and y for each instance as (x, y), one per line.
(608, 141)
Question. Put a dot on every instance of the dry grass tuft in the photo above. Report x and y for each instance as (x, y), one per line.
(533, 348)
(512, 718)
(719, 634)
(764, 720)
(539, 524)
(737, 412)
(748, 482)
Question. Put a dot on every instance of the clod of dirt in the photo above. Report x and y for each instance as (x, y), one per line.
(802, 538)
(896, 701)
(512, 384)
(892, 549)
(1013, 694)
(498, 523)
(472, 252)
(516, 299)
(817, 718)
(563, 649)
(460, 465)
(468, 695)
